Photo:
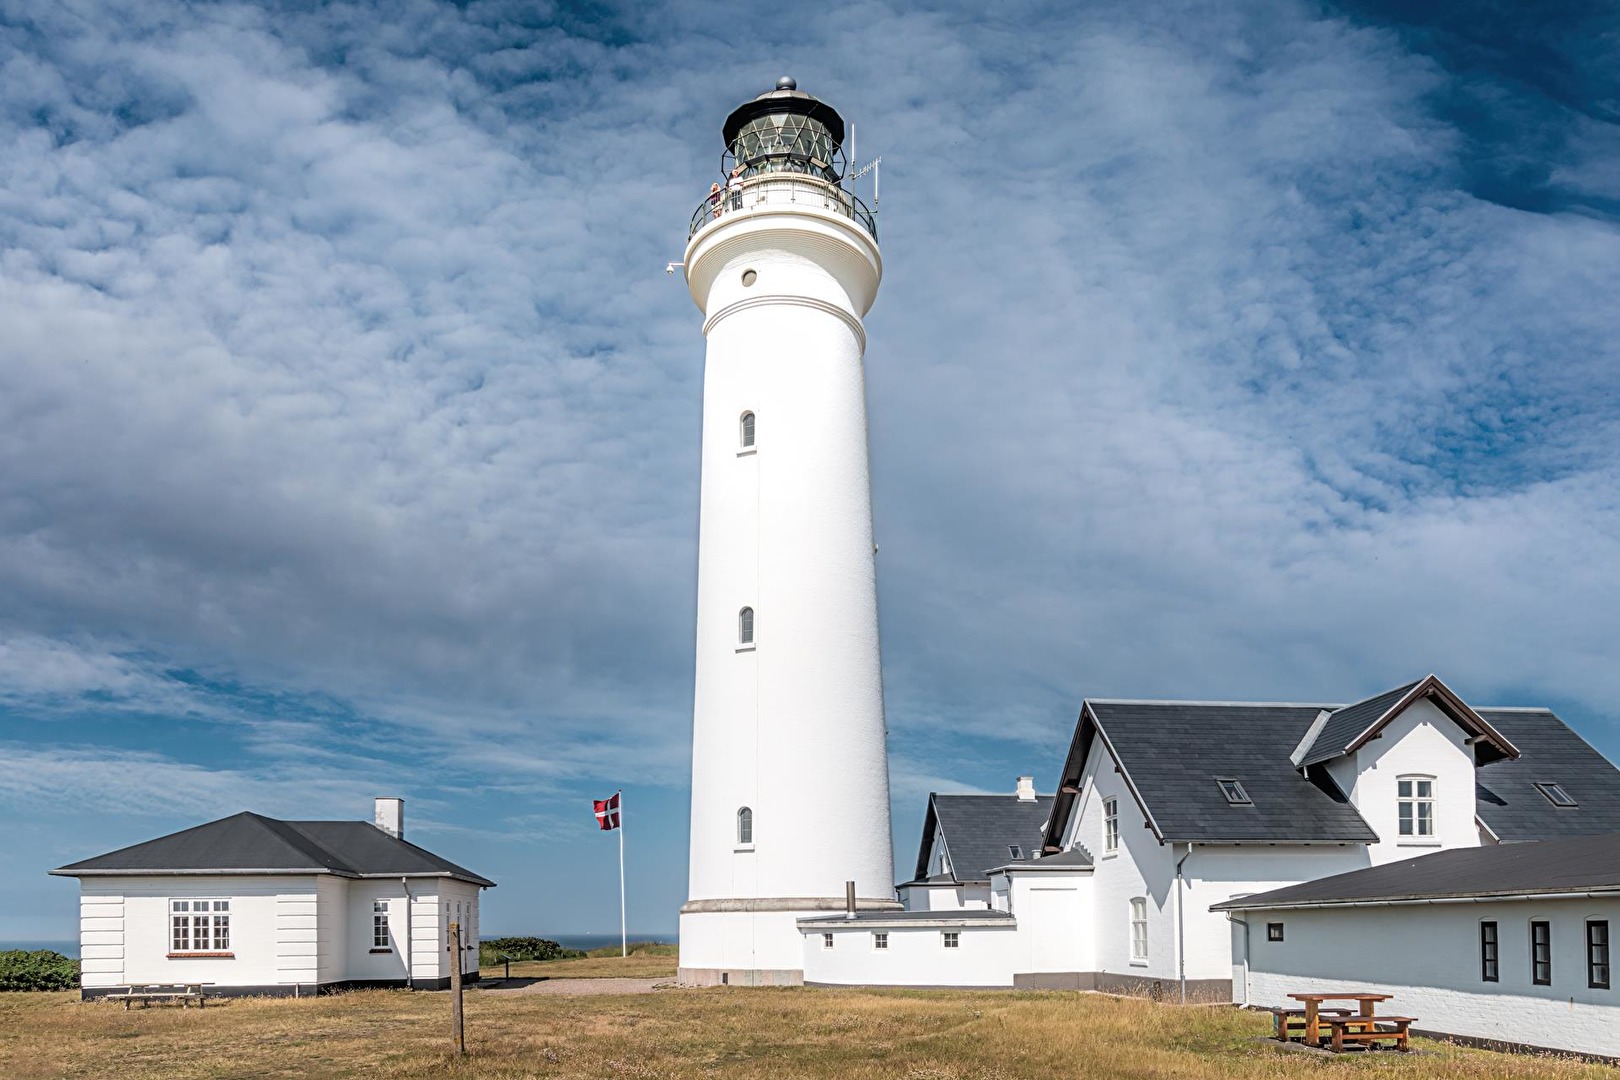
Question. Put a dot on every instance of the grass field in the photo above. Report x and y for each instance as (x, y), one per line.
(843, 1034)
(646, 961)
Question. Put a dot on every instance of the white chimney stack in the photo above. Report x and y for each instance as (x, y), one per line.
(1026, 789)
(390, 817)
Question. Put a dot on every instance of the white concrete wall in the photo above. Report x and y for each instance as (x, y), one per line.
(273, 936)
(793, 727)
(428, 956)
(463, 901)
(986, 956)
(764, 941)
(945, 897)
(1055, 917)
(1427, 956)
(1141, 867)
(331, 914)
(1422, 741)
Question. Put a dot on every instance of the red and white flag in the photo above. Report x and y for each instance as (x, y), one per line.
(607, 812)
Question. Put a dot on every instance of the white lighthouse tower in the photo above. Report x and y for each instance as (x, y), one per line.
(790, 776)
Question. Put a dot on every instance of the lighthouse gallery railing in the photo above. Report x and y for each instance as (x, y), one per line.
(781, 189)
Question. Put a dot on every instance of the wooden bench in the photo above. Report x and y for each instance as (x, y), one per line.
(1290, 1023)
(1368, 1030)
(146, 993)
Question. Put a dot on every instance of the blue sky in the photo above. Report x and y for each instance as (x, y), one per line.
(348, 422)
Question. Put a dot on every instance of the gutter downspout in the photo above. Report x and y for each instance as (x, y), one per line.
(410, 961)
(1181, 928)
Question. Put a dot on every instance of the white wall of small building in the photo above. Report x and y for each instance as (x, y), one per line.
(916, 956)
(1428, 958)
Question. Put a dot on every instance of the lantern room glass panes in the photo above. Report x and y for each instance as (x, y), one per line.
(785, 142)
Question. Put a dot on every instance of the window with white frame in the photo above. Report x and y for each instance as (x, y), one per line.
(1110, 824)
(953, 939)
(1415, 806)
(199, 926)
(379, 924)
(745, 626)
(747, 432)
(880, 940)
(1139, 929)
(745, 826)
(826, 941)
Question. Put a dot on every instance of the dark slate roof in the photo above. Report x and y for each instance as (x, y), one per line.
(248, 842)
(1348, 726)
(1573, 865)
(1172, 753)
(1346, 722)
(1511, 807)
(979, 829)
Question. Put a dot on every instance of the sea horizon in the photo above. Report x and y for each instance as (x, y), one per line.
(568, 941)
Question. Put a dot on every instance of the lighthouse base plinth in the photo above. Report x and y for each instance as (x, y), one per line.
(753, 941)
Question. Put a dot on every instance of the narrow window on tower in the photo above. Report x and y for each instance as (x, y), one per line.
(745, 626)
(747, 430)
(745, 826)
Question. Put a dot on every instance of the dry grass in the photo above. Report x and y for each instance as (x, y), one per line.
(843, 1034)
(644, 962)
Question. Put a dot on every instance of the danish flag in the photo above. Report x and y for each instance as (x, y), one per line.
(607, 812)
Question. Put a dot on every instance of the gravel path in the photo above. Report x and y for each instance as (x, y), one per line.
(582, 986)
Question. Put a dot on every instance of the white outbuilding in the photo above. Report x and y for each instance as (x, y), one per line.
(255, 905)
(1501, 945)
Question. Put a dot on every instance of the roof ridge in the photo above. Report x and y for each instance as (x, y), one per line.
(1233, 704)
(304, 843)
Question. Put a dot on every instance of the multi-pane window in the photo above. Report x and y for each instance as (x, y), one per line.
(1541, 953)
(745, 626)
(1274, 931)
(1139, 928)
(826, 941)
(1489, 953)
(880, 940)
(379, 924)
(1415, 804)
(199, 926)
(1597, 954)
(745, 826)
(953, 939)
(747, 429)
(1110, 824)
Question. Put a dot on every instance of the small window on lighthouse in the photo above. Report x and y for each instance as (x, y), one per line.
(745, 826)
(747, 429)
(745, 626)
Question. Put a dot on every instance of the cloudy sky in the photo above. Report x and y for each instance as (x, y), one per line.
(348, 421)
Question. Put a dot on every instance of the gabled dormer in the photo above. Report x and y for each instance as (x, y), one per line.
(1406, 759)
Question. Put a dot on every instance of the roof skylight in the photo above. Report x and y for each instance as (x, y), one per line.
(1235, 795)
(1555, 794)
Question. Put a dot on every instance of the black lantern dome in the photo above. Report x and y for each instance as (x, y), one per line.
(785, 130)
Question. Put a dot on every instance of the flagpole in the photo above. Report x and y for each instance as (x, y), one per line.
(624, 944)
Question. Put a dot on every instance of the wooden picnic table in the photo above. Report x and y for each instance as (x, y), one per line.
(1313, 1006)
(146, 993)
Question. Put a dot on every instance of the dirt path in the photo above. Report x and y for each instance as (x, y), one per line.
(580, 986)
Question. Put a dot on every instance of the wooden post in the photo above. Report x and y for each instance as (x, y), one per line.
(458, 1030)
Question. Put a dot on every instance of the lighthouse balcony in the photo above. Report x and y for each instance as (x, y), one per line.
(779, 191)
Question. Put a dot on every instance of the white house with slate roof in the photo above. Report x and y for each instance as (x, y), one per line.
(1497, 944)
(256, 905)
(1165, 809)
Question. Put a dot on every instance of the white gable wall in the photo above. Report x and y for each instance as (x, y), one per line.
(1422, 741)
(1427, 957)
(1141, 867)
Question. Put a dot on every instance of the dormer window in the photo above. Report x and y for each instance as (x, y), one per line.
(1235, 795)
(1415, 806)
(1555, 794)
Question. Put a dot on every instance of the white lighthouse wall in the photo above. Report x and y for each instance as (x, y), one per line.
(790, 725)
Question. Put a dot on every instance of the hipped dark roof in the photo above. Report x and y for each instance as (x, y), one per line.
(978, 830)
(1575, 865)
(248, 842)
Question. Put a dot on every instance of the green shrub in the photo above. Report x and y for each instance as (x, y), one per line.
(491, 950)
(40, 969)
